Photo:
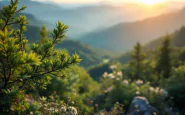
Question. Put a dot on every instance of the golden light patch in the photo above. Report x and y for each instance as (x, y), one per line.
(151, 2)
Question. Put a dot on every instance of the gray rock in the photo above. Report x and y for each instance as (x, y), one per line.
(141, 106)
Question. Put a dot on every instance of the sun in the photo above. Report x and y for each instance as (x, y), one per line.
(151, 2)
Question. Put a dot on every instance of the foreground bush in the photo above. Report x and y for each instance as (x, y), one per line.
(118, 88)
(24, 66)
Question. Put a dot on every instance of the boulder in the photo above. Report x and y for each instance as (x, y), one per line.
(141, 106)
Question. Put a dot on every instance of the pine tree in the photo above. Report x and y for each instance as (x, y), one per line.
(24, 68)
(43, 34)
(138, 57)
(164, 63)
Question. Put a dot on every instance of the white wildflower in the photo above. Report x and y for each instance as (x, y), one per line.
(63, 109)
(163, 92)
(111, 76)
(105, 74)
(137, 93)
(56, 110)
(113, 67)
(151, 89)
(157, 90)
(51, 109)
(120, 74)
(72, 110)
(139, 82)
(125, 82)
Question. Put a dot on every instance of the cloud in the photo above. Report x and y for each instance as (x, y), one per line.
(69, 1)
(95, 1)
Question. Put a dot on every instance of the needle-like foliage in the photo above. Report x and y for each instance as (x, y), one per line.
(24, 66)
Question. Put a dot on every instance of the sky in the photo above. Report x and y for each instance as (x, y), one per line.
(96, 1)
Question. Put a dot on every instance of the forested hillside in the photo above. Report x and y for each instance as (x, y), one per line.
(177, 39)
(120, 37)
(90, 55)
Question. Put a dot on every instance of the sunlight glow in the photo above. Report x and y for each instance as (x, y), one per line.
(151, 2)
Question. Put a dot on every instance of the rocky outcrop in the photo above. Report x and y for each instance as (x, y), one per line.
(141, 106)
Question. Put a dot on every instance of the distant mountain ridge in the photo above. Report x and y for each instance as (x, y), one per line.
(123, 36)
(88, 18)
(90, 55)
(177, 40)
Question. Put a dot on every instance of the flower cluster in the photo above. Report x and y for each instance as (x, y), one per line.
(105, 74)
(113, 75)
(139, 82)
(119, 74)
(125, 82)
(113, 67)
(51, 107)
(115, 82)
(163, 92)
(158, 90)
(137, 93)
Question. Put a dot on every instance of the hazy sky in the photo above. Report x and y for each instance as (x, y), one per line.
(94, 1)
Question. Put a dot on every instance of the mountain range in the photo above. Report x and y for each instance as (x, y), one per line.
(104, 40)
(89, 18)
(89, 55)
(123, 36)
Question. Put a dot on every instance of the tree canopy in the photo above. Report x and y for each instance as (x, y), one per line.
(24, 66)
